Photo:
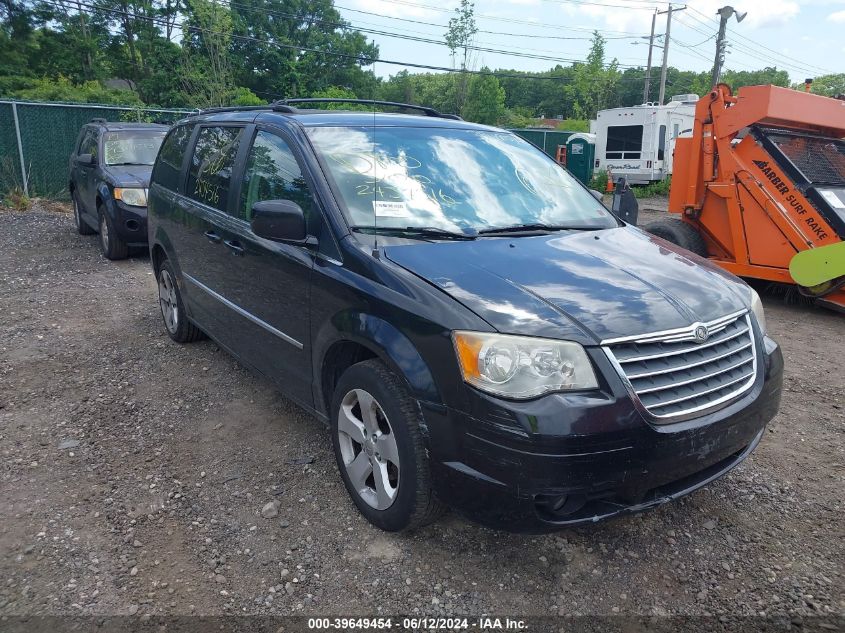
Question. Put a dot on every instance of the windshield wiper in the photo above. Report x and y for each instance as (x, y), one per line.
(537, 226)
(425, 231)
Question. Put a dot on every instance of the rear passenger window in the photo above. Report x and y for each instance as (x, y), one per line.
(210, 172)
(272, 173)
(169, 161)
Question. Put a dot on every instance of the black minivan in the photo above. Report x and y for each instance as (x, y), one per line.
(475, 328)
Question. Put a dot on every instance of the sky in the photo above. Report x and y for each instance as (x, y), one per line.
(803, 37)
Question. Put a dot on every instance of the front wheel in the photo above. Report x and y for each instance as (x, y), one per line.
(379, 448)
(112, 246)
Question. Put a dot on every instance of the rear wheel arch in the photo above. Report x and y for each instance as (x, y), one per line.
(157, 257)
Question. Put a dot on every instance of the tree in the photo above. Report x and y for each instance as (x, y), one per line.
(461, 32)
(830, 85)
(206, 73)
(485, 102)
(459, 37)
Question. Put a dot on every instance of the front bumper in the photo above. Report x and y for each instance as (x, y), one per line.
(569, 459)
(129, 222)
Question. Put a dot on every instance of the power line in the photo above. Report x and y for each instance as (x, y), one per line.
(605, 34)
(797, 63)
(530, 54)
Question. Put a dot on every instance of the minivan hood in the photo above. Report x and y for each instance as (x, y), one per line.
(130, 175)
(587, 286)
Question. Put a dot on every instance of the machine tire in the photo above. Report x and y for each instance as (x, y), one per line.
(680, 233)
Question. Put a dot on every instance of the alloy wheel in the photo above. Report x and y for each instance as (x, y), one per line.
(369, 450)
(76, 219)
(167, 301)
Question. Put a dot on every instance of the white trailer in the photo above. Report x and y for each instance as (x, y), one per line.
(638, 142)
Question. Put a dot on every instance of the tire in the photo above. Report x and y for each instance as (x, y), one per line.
(81, 225)
(389, 441)
(177, 325)
(680, 233)
(112, 246)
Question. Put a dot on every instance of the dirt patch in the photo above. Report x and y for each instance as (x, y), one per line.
(134, 471)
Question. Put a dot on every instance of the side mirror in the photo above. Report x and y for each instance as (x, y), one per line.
(596, 194)
(86, 159)
(279, 220)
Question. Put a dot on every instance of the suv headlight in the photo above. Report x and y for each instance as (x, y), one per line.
(522, 367)
(132, 197)
(757, 309)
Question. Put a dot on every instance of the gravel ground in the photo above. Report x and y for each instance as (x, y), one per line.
(134, 474)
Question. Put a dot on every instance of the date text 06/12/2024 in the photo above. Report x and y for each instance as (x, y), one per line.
(416, 624)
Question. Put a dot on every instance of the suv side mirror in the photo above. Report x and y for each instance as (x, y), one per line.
(86, 159)
(279, 220)
(596, 194)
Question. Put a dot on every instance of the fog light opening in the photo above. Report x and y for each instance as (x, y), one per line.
(559, 506)
(133, 225)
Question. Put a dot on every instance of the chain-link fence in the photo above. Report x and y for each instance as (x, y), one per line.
(36, 140)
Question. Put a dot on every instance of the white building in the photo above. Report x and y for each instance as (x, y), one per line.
(638, 142)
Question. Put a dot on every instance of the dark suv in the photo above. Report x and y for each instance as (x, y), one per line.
(109, 174)
(475, 328)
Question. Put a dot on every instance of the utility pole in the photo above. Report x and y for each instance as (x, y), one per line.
(724, 14)
(648, 68)
(668, 13)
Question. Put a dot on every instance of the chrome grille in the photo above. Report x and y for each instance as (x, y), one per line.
(674, 373)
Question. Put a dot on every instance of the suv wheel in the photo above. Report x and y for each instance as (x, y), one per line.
(379, 448)
(112, 246)
(81, 225)
(178, 327)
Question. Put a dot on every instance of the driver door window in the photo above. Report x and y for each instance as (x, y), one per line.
(272, 173)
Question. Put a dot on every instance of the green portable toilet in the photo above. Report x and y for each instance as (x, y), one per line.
(580, 154)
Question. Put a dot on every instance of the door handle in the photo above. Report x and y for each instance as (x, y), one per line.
(234, 246)
(213, 237)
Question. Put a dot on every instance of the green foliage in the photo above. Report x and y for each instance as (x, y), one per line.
(829, 85)
(61, 89)
(485, 100)
(245, 97)
(659, 188)
(461, 32)
(198, 53)
(336, 92)
(574, 125)
(11, 186)
(599, 181)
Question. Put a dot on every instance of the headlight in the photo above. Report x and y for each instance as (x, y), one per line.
(132, 197)
(757, 309)
(522, 367)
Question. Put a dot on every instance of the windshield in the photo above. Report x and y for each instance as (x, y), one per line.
(451, 179)
(132, 147)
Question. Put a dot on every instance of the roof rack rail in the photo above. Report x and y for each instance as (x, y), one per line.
(233, 109)
(98, 120)
(278, 105)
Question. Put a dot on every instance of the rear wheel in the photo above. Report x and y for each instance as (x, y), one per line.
(178, 327)
(81, 225)
(112, 246)
(680, 233)
(379, 448)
